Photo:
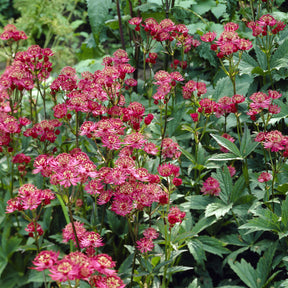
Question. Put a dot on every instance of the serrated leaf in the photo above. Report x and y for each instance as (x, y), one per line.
(265, 263)
(227, 144)
(225, 181)
(213, 245)
(245, 272)
(202, 224)
(98, 13)
(247, 64)
(238, 189)
(280, 57)
(195, 247)
(217, 209)
(176, 269)
(197, 202)
(259, 224)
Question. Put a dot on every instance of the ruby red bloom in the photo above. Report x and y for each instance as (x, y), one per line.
(211, 187)
(175, 216)
(264, 177)
(45, 260)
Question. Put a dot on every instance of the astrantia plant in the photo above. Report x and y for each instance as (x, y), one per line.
(111, 179)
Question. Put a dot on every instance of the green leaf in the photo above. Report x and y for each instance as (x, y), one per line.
(226, 185)
(260, 224)
(247, 146)
(98, 13)
(188, 155)
(238, 189)
(261, 58)
(247, 64)
(195, 247)
(202, 224)
(245, 272)
(197, 202)
(258, 71)
(213, 245)
(227, 144)
(219, 10)
(217, 209)
(280, 57)
(224, 157)
(264, 265)
(284, 212)
(176, 269)
(203, 6)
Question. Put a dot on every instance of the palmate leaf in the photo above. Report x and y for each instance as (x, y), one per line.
(245, 272)
(260, 224)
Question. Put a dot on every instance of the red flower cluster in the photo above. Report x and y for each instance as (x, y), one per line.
(166, 30)
(175, 215)
(265, 24)
(211, 186)
(98, 270)
(228, 42)
(261, 101)
(45, 130)
(11, 32)
(274, 141)
(146, 244)
(29, 198)
(192, 86)
(66, 169)
(166, 82)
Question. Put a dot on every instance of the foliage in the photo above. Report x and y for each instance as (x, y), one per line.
(158, 159)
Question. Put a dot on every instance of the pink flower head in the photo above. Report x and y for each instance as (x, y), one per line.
(170, 149)
(91, 239)
(195, 117)
(150, 233)
(145, 245)
(45, 260)
(260, 100)
(232, 170)
(211, 187)
(64, 270)
(275, 141)
(208, 37)
(11, 32)
(177, 181)
(231, 26)
(68, 233)
(104, 264)
(274, 94)
(34, 229)
(267, 20)
(175, 216)
(237, 99)
(167, 169)
(264, 177)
